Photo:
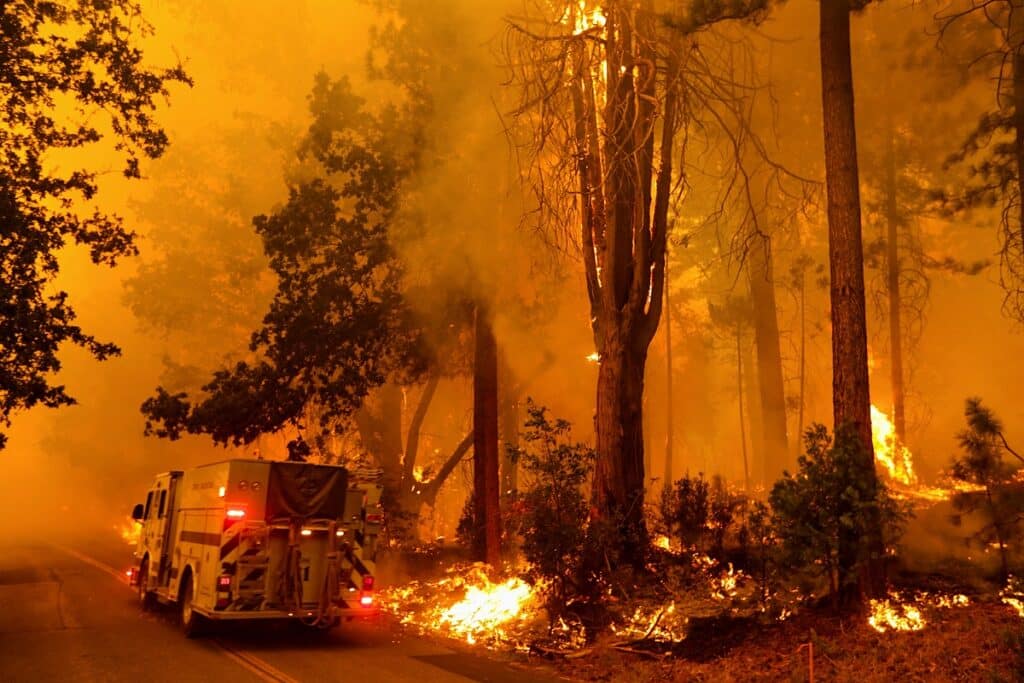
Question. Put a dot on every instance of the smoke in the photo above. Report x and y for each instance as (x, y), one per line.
(187, 305)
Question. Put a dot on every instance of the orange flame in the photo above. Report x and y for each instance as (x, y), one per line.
(582, 18)
(487, 613)
(129, 531)
(892, 615)
(889, 453)
(896, 613)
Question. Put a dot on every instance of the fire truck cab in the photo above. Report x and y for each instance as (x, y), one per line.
(259, 539)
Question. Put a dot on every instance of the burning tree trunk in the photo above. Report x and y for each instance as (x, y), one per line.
(610, 78)
(850, 393)
(769, 359)
(623, 238)
(487, 531)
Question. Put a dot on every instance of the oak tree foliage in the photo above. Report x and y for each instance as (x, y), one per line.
(338, 323)
(71, 76)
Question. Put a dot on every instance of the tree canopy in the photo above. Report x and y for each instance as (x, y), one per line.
(338, 323)
(71, 76)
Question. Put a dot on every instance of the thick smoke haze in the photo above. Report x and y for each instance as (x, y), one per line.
(188, 303)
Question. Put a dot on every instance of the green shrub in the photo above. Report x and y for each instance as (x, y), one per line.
(566, 551)
(827, 515)
(702, 514)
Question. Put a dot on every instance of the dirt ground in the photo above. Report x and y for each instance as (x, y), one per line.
(980, 642)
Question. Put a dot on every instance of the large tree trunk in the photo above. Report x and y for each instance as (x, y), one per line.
(487, 539)
(619, 480)
(769, 360)
(850, 391)
(893, 287)
(624, 217)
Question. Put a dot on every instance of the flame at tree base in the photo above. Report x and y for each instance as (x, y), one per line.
(892, 455)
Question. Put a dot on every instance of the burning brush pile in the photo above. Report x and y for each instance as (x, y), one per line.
(466, 605)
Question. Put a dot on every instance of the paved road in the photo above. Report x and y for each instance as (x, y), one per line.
(67, 614)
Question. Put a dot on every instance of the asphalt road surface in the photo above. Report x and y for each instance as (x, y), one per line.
(67, 614)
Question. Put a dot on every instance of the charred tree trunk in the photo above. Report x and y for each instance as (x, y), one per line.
(893, 286)
(769, 360)
(487, 537)
(850, 391)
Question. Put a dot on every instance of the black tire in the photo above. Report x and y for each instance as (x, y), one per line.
(192, 624)
(146, 598)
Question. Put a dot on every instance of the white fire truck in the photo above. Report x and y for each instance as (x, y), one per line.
(260, 539)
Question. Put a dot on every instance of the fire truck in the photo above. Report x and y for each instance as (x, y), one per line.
(259, 539)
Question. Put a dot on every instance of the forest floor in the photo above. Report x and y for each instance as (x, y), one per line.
(979, 642)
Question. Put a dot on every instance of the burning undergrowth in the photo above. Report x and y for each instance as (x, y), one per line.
(907, 612)
(656, 613)
(721, 569)
(466, 604)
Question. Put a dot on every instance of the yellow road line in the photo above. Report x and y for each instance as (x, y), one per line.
(260, 668)
(263, 668)
(251, 668)
(93, 563)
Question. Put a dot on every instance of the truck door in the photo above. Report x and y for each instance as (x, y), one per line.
(166, 522)
(155, 526)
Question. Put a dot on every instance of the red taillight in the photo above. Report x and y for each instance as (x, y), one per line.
(366, 600)
(367, 583)
(375, 518)
(223, 583)
(235, 513)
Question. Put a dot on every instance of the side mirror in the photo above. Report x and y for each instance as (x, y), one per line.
(137, 512)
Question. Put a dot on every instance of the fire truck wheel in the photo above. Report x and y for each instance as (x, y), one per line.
(146, 598)
(192, 623)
